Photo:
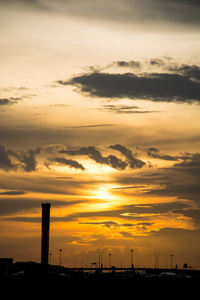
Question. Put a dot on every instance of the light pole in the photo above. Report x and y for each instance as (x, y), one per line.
(60, 257)
(109, 260)
(155, 259)
(131, 258)
(171, 260)
(101, 258)
(50, 258)
(158, 260)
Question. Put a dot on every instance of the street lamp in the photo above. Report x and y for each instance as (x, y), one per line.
(155, 259)
(171, 260)
(109, 260)
(101, 258)
(60, 256)
(131, 258)
(158, 260)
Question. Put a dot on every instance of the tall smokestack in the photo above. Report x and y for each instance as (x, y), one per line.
(45, 233)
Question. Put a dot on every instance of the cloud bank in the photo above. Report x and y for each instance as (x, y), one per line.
(169, 83)
(127, 11)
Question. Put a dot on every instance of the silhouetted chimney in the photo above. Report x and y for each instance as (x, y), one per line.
(45, 233)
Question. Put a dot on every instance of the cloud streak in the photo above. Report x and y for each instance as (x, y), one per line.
(69, 162)
(124, 109)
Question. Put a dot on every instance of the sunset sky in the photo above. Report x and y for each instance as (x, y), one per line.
(99, 115)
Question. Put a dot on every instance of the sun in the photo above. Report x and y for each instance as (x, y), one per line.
(103, 194)
(103, 198)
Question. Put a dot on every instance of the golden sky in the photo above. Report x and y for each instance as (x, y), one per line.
(99, 115)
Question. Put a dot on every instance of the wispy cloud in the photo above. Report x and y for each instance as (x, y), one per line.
(124, 109)
(9, 101)
(13, 193)
(90, 126)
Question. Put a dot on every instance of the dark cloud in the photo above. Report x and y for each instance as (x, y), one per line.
(156, 62)
(96, 155)
(110, 160)
(9, 101)
(155, 87)
(5, 161)
(4, 102)
(13, 193)
(26, 161)
(192, 72)
(130, 64)
(134, 163)
(190, 161)
(69, 162)
(29, 162)
(155, 153)
(90, 151)
(166, 64)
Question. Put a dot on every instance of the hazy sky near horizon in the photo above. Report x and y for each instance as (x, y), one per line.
(99, 115)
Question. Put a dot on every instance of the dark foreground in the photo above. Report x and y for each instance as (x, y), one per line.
(34, 272)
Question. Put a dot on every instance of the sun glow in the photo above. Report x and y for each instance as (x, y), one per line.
(103, 198)
(103, 194)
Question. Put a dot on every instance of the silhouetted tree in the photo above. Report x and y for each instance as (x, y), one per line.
(185, 266)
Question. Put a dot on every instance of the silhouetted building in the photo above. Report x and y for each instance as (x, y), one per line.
(45, 233)
(6, 264)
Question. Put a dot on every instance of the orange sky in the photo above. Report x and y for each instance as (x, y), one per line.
(99, 115)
